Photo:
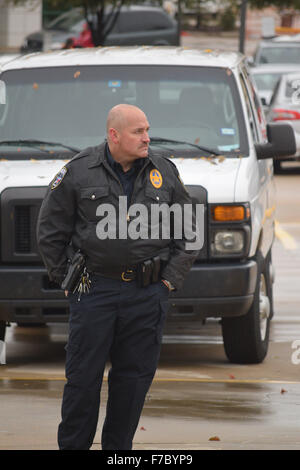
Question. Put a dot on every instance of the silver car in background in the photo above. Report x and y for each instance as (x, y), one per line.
(277, 51)
(135, 25)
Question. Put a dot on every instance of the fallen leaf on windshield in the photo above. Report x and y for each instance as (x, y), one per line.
(283, 391)
(211, 160)
(142, 428)
(221, 158)
(76, 74)
(214, 438)
(231, 376)
(35, 86)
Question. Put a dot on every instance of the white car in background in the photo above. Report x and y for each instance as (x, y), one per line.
(205, 116)
(267, 76)
(285, 108)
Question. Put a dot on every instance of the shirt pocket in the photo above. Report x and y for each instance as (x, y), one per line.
(90, 199)
(157, 196)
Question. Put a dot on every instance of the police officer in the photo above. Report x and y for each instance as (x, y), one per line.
(118, 316)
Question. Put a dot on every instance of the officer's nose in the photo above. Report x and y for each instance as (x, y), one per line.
(146, 137)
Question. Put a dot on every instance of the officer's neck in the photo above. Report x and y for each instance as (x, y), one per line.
(126, 163)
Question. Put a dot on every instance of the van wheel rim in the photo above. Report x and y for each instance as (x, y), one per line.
(264, 308)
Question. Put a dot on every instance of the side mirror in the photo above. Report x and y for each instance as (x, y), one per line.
(281, 142)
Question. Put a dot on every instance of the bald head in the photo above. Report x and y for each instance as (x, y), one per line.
(127, 133)
(121, 115)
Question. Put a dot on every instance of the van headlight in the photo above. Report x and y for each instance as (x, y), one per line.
(230, 242)
(230, 230)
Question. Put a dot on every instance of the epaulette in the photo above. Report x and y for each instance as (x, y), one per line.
(83, 153)
(166, 155)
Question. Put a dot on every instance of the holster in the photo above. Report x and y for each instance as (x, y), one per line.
(74, 272)
(148, 272)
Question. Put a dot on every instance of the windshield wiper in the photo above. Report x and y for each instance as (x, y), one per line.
(161, 140)
(34, 143)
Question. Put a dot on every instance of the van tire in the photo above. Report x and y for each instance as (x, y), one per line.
(246, 338)
(277, 167)
(2, 330)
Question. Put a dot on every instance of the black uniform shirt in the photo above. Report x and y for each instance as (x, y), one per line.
(127, 178)
(69, 214)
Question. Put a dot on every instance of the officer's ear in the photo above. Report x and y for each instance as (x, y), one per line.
(113, 135)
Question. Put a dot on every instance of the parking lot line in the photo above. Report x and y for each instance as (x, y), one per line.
(165, 379)
(285, 237)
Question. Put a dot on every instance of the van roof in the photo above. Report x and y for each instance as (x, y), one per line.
(120, 55)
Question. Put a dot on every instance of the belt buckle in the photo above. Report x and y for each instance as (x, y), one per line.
(124, 274)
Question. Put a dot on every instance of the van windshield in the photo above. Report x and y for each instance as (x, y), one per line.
(185, 106)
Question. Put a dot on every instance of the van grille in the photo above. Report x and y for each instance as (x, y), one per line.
(19, 213)
(22, 229)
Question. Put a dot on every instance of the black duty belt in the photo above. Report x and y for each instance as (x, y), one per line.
(145, 273)
(123, 274)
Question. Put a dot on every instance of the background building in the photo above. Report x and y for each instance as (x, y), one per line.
(18, 21)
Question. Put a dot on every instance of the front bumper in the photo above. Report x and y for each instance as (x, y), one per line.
(210, 290)
(27, 296)
(217, 290)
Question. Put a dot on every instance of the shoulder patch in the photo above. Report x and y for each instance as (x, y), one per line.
(156, 178)
(58, 178)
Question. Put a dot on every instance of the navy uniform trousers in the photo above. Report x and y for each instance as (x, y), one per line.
(121, 323)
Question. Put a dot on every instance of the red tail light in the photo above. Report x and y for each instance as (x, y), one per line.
(279, 114)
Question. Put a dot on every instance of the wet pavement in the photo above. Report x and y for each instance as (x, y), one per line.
(237, 415)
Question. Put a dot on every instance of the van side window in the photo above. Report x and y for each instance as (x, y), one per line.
(262, 124)
(251, 117)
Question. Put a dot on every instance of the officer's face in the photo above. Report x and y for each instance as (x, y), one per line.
(133, 137)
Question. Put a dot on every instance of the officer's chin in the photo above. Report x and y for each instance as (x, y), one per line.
(144, 152)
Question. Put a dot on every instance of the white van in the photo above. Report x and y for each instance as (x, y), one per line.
(204, 115)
